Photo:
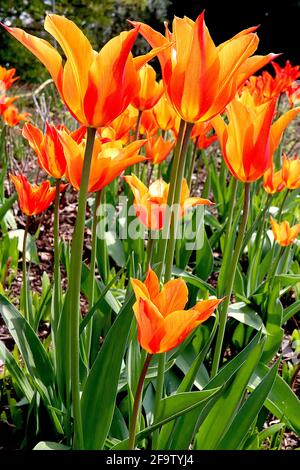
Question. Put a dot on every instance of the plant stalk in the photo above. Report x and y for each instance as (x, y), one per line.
(74, 288)
(57, 284)
(25, 280)
(231, 277)
(136, 403)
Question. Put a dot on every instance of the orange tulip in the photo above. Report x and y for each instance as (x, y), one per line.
(5, 102)
(164, 114)
(162, 321)
(109, 159)
(273, 182)
(95, 86)
(7, 78)
(249, 140)
(291, 172)
(148, 123)
(48, 147)
(199, 133)
(200, 78)
(33, 199)
(149, 90)
(265, 87)
(293, 94)
(151, 203)
(119, 128)
(12, 117)
(283, 233)
(158, 149)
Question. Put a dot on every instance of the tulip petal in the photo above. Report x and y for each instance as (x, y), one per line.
(177, 326)
(150, 325)
(280, 125)
(173, 296)
(152, 283)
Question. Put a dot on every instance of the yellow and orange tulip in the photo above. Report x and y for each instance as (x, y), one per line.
(7, 78)
(151, 203)
(291, 172)
(109, 159)
(95, 86)
(250, 139)
(164, 114)
(162, 321)
(12, 117)
(200, 79)
(273, 181)
(33, 199)
(48, 147)
(283, 233)
(158, 149)
(149, 90)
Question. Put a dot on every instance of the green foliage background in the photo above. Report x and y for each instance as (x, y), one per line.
(99, 19)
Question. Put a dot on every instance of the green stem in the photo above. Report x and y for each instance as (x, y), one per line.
(231, 277)
(282, 205)
(173, 176)
(176, 203)
(57, 285)
(150, 246)
(92, 269)
(191, 168)
(136, 403)
(25, 281)
(136, 168)
(74, 288)
(159, 393)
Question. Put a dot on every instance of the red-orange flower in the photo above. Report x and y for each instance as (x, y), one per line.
(33, 199)
(273, 181)
(12, 117)
(291, 172)
(162, 321)
(7, 78)
(149, 90)
(250, 139)
(151, 203)
(148, 123)
(48, 146)
(283, 233)
(5, 102)
(109, 160)
(158, 149)
(199, 133)
(164, 114)
(95, 86)
(119, 128)
(200, 78)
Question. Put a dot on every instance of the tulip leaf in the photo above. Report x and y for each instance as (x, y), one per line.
(245, 314)
(290, 311)
(100, 390)
(227, 404)
(48, 445)
(34, 355)
(170, 408)
(248, 412)
(193, 280)
(204, 259)
(281, 401)
(31, 251)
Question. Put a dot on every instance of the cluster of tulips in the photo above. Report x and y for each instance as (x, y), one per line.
(128, 119)
(9, 112)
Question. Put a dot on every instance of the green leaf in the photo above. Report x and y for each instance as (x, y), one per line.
(288, 279)
(170, 408)
(35, 357)
(16, 372)
(192, 236)
(220, 417)
(193, 280)
(204, 259)
(47, 445)
(290, 311)
(245, 314)
(273, 324)
(281, 401)
(115, 248)
(7, 204)
(100, 391)
(31, 251)
(247, 414)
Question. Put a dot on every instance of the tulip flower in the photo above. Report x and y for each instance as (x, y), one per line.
(95, 86)
(5, 102)
(273, 181)
(162, 321)
(33, 199)
(164, 114)
(119, 128)
(7, 78)
(48, 147)
(158, 149)
(291, 172)
(12, 117)
(200, 79)
(283, 233)
(148, 123)
(151, 203)
(265, 87)
(199, 133)
(250, 139)
(149, 90)
(109, 159)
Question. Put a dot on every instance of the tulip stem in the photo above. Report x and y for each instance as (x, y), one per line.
(92, 269)
(282, 205)
(150, 246)
(136, 137)
(192, 164)
(231, 277)
(136, 403)
(176, 203)
(173, 176)
(74, 288)
(57, 287)
(25, 281)
(159, 393)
